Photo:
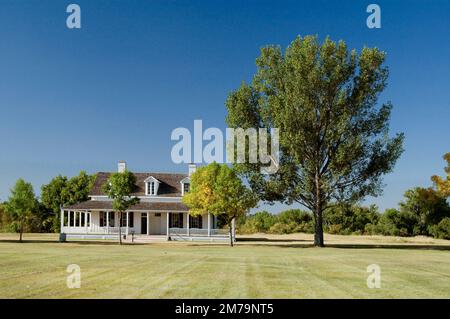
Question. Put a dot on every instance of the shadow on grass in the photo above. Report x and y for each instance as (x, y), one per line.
(52, 241)
(253, 242)
(364, 246)
(263, 239)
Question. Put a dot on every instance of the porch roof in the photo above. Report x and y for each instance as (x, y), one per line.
(142, 206)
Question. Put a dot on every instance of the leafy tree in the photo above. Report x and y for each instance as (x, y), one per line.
(78, 187)
(441, 230)
(443, 184)
(61, 192)
(350, 219)
(259, 222)
(119, 188)
(218, 190)
(395, 222)
(263, 221)
(427, 205)
(294, 216)
(334, 143)
(53, 197)
(21, 205)
(2, 217)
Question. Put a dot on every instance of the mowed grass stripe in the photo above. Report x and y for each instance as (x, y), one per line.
(169, 270)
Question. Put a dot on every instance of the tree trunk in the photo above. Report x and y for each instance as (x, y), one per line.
(318, 231)
(318, 218)
(21, 230)
(120, 228)
(230, 229)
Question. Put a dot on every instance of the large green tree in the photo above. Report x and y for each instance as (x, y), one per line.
(334, 142)
(21, 206)
(428, 206)
(61, 191)
(119, 188)
(218, 190)
(2, 216)
(443, 184)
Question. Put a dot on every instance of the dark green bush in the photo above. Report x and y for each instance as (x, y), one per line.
(442, 229)
(347, 220)
(294, 216)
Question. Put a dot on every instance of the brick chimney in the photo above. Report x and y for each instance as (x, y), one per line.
(121, 166)
(192, 168)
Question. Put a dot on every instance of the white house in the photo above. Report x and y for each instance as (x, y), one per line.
(160, 214)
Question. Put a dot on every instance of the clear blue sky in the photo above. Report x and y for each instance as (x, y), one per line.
(74, 100)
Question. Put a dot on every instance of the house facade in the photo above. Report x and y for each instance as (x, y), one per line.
(160, 214)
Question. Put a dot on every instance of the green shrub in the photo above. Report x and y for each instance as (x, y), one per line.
(441, 230)
(346, 220)
(396, 223)
(294, 216)
(259, 222)
(281, 228)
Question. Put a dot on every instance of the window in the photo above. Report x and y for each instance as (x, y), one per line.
(102, 219)
(195, 222)
(151, 188)
(176, 220)
(77, 219)
(88, 219)
(186, 187)
(111, 219)
(130, 220)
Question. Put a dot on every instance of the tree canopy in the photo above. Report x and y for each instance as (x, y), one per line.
(119, 188)
(217, 189)
(334, 141)
(21, 205)
(443, 184)
(61, 191)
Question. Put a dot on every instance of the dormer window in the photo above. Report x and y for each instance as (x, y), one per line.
(151, 186)
(186, 188)
(185, 185)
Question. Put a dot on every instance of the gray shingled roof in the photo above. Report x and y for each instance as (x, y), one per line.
(170, 184)
(107, 205)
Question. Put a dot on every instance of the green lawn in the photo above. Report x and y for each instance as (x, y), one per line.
(284, 268)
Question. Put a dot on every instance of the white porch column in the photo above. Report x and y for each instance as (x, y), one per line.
(128, 221)
(85, 221)
(107, 222)
(62, 220)
(167, 232)
(148, 223)
(187, 224)
(209, 224)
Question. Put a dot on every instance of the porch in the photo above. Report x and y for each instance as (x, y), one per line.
(140, 225)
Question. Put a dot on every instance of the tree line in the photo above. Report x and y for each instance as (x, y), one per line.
(25, 212)
(423, 211)
(335, 146)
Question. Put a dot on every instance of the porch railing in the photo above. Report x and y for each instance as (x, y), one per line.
(197, 232)
(94, 229)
